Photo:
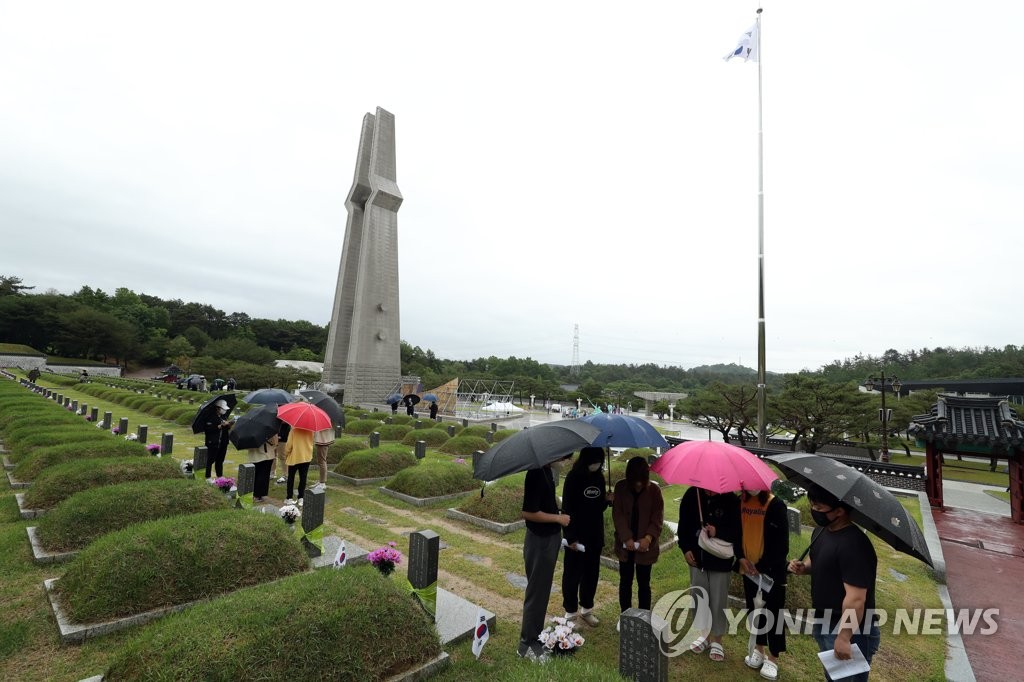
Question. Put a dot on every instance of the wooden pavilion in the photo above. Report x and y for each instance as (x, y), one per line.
(977, 426)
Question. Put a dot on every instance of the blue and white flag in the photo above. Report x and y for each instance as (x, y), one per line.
(746, 48)
(481, 634)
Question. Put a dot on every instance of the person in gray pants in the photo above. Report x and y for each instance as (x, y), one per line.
(540, 552)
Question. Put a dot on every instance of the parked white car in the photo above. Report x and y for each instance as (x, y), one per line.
(556, 408)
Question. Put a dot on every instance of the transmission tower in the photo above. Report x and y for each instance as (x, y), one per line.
(574, 369)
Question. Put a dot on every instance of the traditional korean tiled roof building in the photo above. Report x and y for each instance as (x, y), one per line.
(972, 426)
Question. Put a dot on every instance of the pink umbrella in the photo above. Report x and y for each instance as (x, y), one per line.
(718, 467)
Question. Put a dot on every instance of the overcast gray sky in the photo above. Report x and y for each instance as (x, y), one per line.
(562, 163)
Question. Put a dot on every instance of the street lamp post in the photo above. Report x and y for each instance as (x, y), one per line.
(671, 412)
(579, 404)
(532, 397)
(884, 415)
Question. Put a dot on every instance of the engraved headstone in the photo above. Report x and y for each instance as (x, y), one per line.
(451, 429)
(74, 405)
(143, 433)
(421, 449)
(389, 420)
(476, 458)
(107, 418)
(94, 414)
(312, 517)
(494, 426)
(84, 409)
(200, 456)
(465, 423)
(489, 436)
(245, 483)
(122, 426)
(167, 444)
(793, 517)
(640, 655)
(419, 423)
(424, 546)
(375, 439)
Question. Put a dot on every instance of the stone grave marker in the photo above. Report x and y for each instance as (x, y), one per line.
(389, 420)
(465, 423)
(640, 654)
(313, 521)
(122, 426)
(84, 409)
(375, 439)
(494, 426)
(143, 433)
(419, 424)
(451, 429)
(244, 485)
(74, 406)
(476, 458)
(95, 414)
(793, 516)
(167, 443)
(489, 436)
(199, 458)
(421, 449)
(424, 546)
(107, 418)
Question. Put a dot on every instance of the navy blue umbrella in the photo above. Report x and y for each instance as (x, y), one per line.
(269, 396)
(393, 399)
(430, 397)
(624, 431)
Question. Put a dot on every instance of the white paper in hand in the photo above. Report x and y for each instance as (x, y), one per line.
(763, 581)
(579, 545)
(837, 669)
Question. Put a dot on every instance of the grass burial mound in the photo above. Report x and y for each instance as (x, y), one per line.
(64, 480)
(433, 479)
(342, 447)
(18, 424)
(181, 559)
(363, 427)
(463, 445)
(72, 433)
(386, 460)
(87, 515)
(501, 502)
(42, 458)
(433, 437)
(394, 431)
(352, 624)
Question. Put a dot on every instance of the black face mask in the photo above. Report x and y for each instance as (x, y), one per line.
(821, 518)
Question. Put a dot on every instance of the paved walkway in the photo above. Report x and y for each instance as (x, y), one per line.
(984, 557)
(971, 496)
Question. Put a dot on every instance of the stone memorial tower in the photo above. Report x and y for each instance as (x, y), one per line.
(363, 354)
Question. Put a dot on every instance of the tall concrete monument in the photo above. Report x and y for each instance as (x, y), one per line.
(363, 354)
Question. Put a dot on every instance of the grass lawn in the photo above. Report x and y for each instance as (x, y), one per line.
(477, 565)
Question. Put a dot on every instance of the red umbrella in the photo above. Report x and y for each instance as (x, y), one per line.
(304, 416)
(715, 466)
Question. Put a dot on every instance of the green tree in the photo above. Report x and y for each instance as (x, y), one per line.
(817, 411)
(180, 351)
(726, 408)
(12, 286)
(91, 333)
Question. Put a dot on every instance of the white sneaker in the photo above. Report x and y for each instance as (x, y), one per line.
(755, 659)
(282, 480)
(289, 501)
(770, 671)
(210, 480)
(301, 500)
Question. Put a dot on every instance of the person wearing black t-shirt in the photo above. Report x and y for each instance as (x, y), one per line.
(842, 566)
(584, 498)
(540, 552)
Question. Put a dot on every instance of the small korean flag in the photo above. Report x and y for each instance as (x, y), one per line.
(481, 634)
(341, 558)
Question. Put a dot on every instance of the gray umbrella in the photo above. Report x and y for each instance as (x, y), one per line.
(269, 396)
(873, 507)
(534, 447)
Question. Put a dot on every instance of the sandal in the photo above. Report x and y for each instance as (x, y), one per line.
(699, 646)
(717, 652)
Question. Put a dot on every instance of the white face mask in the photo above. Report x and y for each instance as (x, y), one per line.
(595, 467)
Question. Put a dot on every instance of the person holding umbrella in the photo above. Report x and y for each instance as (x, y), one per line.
(842, 566)
(638, 511)
(714, 516)
(298, 455)
(540, 552)
(764, 552)
(262, 458)
(433, 410)
(216, 431)
(584, 499)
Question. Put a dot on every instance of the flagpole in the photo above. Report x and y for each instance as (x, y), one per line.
(761, 398)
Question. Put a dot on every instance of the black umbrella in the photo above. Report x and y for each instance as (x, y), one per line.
(269, 396)
(327, 404)
(410, 399)
(203, 414)
(534, 447)
(253, 428)
(873, 507)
